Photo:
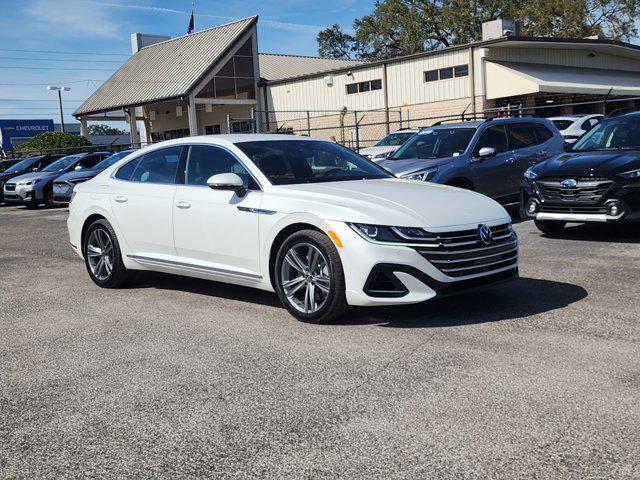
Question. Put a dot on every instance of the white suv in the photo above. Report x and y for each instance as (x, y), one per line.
(388, 145)
(572, 127)
(309, 219)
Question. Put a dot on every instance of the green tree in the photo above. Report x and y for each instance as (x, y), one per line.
(102, 129)
(402, 27)
(52, 141)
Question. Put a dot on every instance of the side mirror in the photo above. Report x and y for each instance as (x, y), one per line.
(78, 167)
(34, 169)
(486, 152)
(227, 181)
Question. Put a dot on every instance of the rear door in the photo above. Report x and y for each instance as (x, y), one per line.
(489, 173)
(217, 230)
(526, 151)
(142, 203)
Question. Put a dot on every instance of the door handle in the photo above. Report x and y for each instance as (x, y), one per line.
(511, 160)
(183, 205)
(120, 199)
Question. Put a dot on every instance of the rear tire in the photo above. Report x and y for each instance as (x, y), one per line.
(309, 278)
(549, 226)
(102, 256)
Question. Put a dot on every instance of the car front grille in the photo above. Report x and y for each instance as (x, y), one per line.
(10, 187)
(587, 190)
(463, 254)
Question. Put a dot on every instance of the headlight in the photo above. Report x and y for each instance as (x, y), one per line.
(386, 234)
(380, 156)
(29, 182)
(530, 175)
(630, 174)
(423, 175)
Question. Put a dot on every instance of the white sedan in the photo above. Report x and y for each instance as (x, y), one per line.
(309, 219)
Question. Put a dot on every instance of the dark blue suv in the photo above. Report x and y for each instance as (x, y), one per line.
(487, 156)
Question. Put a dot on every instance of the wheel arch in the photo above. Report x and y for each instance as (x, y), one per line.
(461, 182)
(85, 226)
(280, 238)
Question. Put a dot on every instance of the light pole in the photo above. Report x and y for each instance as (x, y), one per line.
(60, 90)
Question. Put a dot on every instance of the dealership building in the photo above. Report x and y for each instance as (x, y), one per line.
(216, 81)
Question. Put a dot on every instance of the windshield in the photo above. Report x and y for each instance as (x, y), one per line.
(107, 162)
(286, 162)
(435, 143)
(395, 139)
(562, 124)
(62, 164)
(622, 133)
(22, 165)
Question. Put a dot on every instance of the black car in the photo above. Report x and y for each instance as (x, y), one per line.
(26, 165)
(4, 164)
(596, 180)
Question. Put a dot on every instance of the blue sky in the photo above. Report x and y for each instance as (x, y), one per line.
(97, 29)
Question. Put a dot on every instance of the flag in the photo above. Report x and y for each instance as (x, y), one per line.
(191, 24)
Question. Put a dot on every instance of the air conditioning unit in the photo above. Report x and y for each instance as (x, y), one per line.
(328, 80)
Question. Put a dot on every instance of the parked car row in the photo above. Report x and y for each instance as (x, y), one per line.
(49, 179)
(326, 228)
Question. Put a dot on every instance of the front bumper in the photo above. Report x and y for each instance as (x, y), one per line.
(625, 197)
(21, 194)
(408, 277)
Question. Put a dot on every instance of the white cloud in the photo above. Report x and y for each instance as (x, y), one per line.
(77, 19)
(274, 24)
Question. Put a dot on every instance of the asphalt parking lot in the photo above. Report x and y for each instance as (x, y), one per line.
(539, 378)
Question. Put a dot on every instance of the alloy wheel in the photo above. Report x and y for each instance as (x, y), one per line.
(100, 254)
(306, 278)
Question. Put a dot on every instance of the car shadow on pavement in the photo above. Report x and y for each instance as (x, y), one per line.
(518, 299)
(521, 298)
(166, 281)
(599, 232)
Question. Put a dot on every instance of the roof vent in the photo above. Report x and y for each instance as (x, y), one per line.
(500, 27)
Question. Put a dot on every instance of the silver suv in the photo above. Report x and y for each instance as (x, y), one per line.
(488, 156)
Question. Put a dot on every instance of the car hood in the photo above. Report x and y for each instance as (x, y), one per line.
(605, 164)
(412, 165)
(32, 175)
(388, 202)
(75, 175)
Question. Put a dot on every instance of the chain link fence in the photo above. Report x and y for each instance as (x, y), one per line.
(361, 129)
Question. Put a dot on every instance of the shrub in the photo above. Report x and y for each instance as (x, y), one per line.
(52, 141)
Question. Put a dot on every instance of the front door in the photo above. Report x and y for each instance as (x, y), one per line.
(491, 175)
(216, 230)
(526, 151)
(142, 203)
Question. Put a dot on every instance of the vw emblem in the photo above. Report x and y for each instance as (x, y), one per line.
(569, 183)
(485, 234)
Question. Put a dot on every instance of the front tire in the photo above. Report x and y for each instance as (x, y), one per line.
(309, 278)
(48, 198)
(102, 256)
(549, 226)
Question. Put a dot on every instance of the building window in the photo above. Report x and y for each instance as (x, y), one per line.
(212, 129)
(235, 79)
(367, 86)
(446, 73)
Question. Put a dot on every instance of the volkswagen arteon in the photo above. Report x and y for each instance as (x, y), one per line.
(311, 220)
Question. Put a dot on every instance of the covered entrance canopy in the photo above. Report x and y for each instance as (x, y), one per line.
(506, 79)
(187, 84)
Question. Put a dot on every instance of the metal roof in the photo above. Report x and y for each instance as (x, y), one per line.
(274, 66)
(165, 70)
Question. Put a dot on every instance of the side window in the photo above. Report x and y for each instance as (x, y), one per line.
(159, 166)
(89, 161)
(589, 123)
(521, 135)
(493, 136)
(204, 161)
(542, 133)
(125, 172)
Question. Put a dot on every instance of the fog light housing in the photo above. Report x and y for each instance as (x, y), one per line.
(614, 209)
(532, 207)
